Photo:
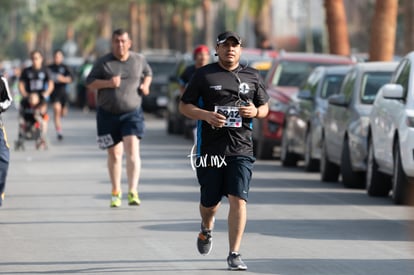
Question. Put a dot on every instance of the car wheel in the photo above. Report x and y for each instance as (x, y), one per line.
(311, 164)
(350, 178)
(329, 170)
(399, 178)
(377, 184)
(287, 158)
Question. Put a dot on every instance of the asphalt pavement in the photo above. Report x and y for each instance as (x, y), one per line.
(56, 217)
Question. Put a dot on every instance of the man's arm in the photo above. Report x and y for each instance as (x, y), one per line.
(145, 85)
(22, 89)
(98, 84)
(50, 88)
(262, 110)
(193, 112)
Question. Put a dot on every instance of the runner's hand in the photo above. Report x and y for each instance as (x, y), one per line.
(248, 111)
(216, 120)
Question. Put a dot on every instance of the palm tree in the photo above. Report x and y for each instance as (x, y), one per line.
(383, 31)
(337, 27)
(259, 11)
(408, 9)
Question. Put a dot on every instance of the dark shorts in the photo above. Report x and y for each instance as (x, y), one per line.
(59, 96)
(111, 128)
(230, 179)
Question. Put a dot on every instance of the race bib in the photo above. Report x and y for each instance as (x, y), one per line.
(232, 114)
(105, 141)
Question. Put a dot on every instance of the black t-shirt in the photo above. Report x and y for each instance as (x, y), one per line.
(187, 74)
(61, 69)
(35, 80)
(212, 86)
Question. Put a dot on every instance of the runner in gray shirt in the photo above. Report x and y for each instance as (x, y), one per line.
(121, 78)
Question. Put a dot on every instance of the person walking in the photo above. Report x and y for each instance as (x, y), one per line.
(5, 102)
(120, 78)
(62, 76)
(225, 97)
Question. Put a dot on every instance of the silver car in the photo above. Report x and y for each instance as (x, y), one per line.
(345, 130)
(302, 130)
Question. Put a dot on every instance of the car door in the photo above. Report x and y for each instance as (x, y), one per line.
(305, 109)
(337, 116)
(389, 113)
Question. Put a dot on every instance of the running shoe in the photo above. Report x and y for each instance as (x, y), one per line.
(204, 241)
(59, 136)
(116, 200)
(235, 262)
(133, 198)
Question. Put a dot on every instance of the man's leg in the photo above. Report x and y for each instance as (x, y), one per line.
(57, 111)
(115, 166)
(207, 215)
(236, 222)
(133, 161)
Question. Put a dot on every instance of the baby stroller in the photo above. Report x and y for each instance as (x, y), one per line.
(32, 118)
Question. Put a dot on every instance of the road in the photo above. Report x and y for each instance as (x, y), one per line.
(56, 217)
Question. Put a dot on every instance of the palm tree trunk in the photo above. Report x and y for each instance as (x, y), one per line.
(207, 22)
(133, 24)
(383, 31)
(142, 26)
(262, 23)
(408, 25)
(337, 27)
(174, 33)
(187, 29)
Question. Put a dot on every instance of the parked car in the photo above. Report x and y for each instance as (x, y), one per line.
(345, 126)
(391, 135)
(302, 132)
(163, 63)
(288, 72)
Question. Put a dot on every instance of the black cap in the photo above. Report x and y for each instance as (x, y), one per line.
(221, 38)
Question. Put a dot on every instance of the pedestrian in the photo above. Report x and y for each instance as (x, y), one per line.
(225, 97)
(5, 102)
(201, 56)
(62, 76)
(120, 78)
(37, 78)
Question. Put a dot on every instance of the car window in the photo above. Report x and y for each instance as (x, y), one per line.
(312, 81)
(162, 67)
(348, 85)
(371, 82)
(331, 85)
(293, 73)
(402, 75)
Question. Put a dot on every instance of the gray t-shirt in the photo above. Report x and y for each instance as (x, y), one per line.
(126, 97)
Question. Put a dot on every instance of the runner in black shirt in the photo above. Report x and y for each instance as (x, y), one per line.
(225, 97)
(37, 79)
(62, 76)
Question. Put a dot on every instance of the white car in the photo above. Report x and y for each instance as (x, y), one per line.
(391, 135)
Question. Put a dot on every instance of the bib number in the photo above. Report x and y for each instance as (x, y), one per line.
(105, 141)
(232, 114)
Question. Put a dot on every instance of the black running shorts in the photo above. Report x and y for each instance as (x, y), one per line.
(232, 178)
(113, 127)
